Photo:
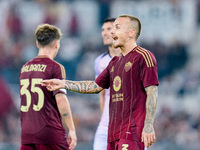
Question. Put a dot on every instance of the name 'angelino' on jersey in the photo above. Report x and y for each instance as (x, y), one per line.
(35, 67)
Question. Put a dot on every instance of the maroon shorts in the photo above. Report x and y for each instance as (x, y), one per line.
(44, 147)
(125, 145)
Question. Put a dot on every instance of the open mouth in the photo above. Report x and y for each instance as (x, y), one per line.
(115, 38)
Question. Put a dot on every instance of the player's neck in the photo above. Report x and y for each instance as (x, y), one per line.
(46, 52)
(114, 51)
(128, 47)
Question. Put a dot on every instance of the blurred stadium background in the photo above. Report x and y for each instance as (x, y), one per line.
(171, 30)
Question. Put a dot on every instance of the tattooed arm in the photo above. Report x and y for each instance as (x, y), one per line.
(83, 86)
(88, 87)
(148, 134)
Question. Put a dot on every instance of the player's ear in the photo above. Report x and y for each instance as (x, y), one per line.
(57, 44)
(132, 34)
(37, 44)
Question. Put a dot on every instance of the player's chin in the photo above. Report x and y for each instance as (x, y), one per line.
(115, 45)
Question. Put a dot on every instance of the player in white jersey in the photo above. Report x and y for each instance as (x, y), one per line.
(101, 62)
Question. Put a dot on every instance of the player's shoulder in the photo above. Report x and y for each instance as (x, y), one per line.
(29, 62)
(102, 55)
(143, 52)
(59, 68)
(146, 55)
(57, 64)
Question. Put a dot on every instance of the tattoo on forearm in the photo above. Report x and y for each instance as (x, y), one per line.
(151, 103)
(82, 86)
(65, 115)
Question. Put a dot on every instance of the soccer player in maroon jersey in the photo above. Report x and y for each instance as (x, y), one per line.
(133, 82)
(43, 113)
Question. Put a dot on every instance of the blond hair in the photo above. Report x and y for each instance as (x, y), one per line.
(136, 24)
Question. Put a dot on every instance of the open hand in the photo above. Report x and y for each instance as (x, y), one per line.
(72, 139)
(148, 135)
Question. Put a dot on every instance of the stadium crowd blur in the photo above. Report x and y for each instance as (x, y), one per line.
(177, 123)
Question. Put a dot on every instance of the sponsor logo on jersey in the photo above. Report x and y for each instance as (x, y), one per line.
(117, 83)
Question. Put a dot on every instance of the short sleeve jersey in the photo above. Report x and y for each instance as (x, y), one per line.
(101, 63)
(127, 76)
(40, 117)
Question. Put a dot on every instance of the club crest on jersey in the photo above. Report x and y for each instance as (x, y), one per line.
(127, 66)
(117, 83)
(112, 69)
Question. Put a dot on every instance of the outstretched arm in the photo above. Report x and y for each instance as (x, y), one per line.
(88, 87)
(148, 134)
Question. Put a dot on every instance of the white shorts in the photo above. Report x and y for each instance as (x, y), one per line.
(100, 139)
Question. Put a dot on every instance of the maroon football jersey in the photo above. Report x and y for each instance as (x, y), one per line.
(127, 76)
(40, 117)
